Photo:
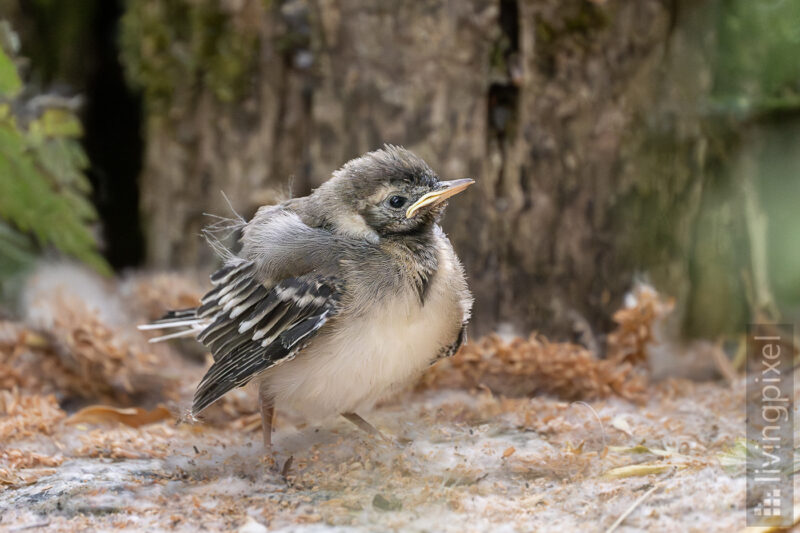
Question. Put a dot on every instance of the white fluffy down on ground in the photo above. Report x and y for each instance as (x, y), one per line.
(455, 462)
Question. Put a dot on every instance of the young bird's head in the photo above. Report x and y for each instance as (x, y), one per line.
(386, 192)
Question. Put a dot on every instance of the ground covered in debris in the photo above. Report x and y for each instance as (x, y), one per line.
(454, 461)
(510, 435)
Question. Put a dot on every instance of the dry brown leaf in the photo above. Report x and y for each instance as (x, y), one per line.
(106, 360)
(23, 415)
(151, 295)
(130, 416)
(30, 363)
(81, 349)
(525, 367)
(635, 324)
(9, 477)
(123, 442)
(18, 459)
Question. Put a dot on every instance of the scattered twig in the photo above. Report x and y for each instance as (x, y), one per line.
(35, 525)
(740, 358)
(597, 416)
(630, 509)
(723, 364)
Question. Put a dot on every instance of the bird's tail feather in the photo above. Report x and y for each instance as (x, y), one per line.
(186, 319)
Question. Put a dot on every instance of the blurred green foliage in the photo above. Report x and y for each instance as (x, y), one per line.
(757, 80)
(754, 99)
(757, 56)
(55, 36)
(164, 43)
(43, 189)
(779, 167)
(723, 138)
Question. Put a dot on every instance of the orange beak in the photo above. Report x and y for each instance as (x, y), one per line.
(451, 188)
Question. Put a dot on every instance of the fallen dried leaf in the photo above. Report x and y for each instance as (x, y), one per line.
(131, 416)
(641, 448)
(644, 308)
(636, 470)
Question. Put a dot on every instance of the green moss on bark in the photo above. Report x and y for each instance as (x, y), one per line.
(169, 45)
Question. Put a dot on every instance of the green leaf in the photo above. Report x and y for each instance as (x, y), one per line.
(10, 82)
(44, 192)
(57, 122)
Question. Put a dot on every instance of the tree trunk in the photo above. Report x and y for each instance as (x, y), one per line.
(543, 103)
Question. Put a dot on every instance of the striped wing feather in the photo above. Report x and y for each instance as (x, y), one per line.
(254, 327)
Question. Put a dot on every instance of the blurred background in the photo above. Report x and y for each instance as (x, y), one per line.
(611, 141)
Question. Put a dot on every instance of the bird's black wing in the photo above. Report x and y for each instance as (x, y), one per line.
(256, 326)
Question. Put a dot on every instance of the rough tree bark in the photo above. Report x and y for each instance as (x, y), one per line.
(541, 102)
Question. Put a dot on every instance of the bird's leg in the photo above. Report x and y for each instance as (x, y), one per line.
(363, 424)
(267, 407)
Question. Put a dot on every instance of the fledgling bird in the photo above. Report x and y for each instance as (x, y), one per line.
(337, 298)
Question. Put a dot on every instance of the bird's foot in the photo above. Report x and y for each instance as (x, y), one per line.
(267, 409)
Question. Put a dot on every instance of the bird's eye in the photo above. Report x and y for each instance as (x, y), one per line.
(397, 201)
